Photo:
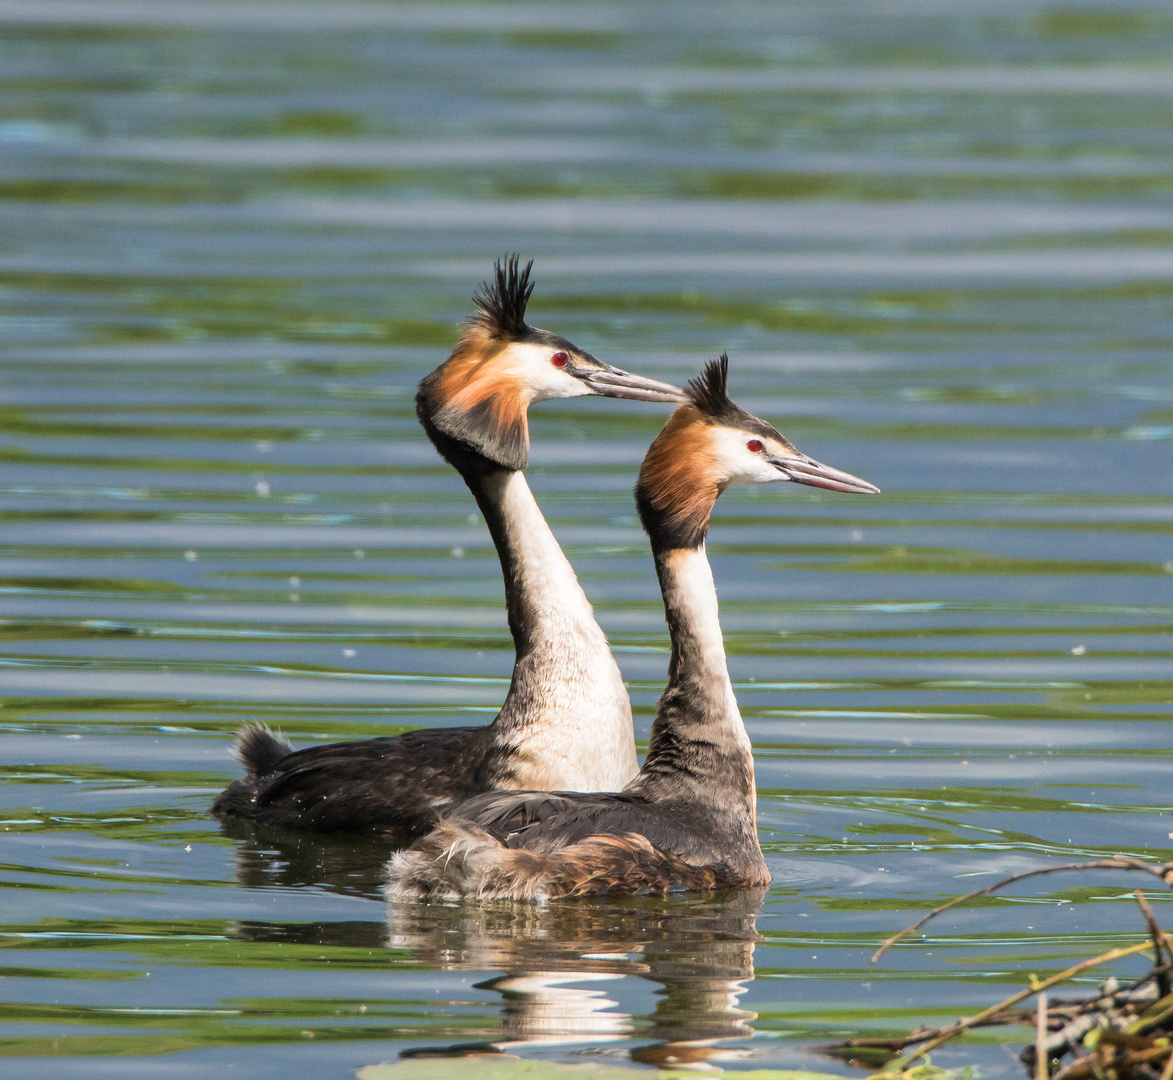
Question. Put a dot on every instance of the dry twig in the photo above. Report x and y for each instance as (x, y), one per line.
(1162, 975)
(1041, 1038)
(1123, 1027)
(945, 1034)
(1118, 862)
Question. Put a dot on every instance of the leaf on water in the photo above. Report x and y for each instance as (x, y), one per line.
(508, 1067)
(491, 1067)
(932, 1072)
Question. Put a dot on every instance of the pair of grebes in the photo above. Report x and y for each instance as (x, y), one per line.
(549, 800)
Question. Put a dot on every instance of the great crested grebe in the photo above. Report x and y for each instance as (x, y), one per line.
(689, 819)
(566, 720)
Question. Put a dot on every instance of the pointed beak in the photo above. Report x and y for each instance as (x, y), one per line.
(803, 470)
(611, 382)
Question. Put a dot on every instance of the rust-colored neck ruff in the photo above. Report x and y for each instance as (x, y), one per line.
(478, 403)
(679, 482)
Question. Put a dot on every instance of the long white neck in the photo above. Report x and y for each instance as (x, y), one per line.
(567, 717)
(699, 748)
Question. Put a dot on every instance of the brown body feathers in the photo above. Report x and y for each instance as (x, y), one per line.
(465, 860)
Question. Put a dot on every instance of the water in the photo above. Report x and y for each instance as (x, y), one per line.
(938, 244)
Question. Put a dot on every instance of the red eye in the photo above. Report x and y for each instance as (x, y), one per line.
(560, 359)
(755, 445)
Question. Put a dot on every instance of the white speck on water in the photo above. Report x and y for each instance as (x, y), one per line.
(458, 553)
(294, 581)
(348, 653)
(856, 535)
(263, 446)
(262, 488)
(1078, 650)
(359, 553)
(191, 556)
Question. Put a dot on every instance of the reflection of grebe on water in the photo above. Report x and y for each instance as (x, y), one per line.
(273, 857)
(562, 965)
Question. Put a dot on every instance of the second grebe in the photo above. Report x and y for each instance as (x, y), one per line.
(688, 820)
(566, 720)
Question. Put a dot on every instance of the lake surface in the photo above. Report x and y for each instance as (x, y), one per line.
(937, 241)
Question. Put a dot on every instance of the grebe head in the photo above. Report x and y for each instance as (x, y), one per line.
(501, 365)
(709, 444)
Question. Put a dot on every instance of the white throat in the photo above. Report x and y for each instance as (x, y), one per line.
(567, 716)
(698, 648)
(699, 750)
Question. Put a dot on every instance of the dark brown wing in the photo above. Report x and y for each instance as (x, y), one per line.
(394, 786)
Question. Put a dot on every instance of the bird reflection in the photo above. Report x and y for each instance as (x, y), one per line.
(268, 855)
(558, 959)
(561, 963)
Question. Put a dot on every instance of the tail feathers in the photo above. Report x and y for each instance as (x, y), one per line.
(259, 750)
(465, 861)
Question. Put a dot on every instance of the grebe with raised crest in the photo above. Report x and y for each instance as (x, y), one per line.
(566, 720)
(688, 821)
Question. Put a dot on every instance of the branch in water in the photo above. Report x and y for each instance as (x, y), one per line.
(1119, 862)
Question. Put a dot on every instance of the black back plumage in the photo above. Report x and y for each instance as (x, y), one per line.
(259, 750)
(394, 786)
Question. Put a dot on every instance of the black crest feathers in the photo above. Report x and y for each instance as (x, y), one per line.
(709, 391)
(501, 303)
